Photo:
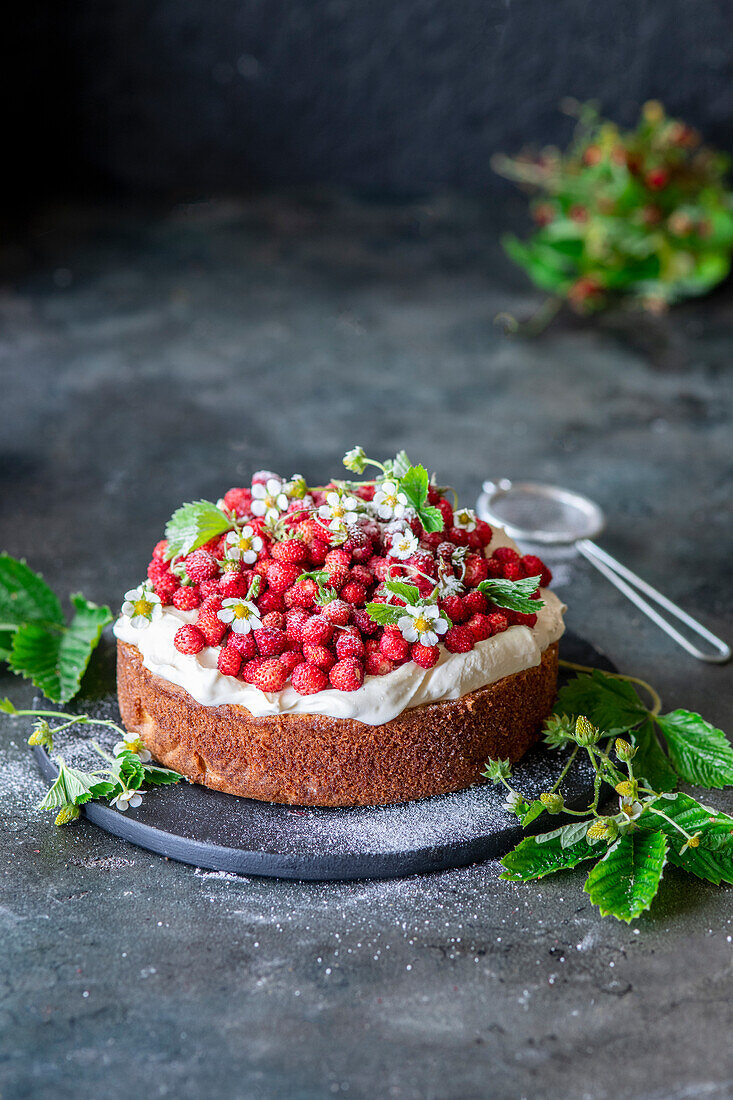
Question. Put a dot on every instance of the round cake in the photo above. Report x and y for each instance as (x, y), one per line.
(359, 643)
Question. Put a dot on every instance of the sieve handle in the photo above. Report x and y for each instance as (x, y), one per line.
(632, 586)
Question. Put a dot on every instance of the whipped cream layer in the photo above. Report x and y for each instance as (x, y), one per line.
(378, 700)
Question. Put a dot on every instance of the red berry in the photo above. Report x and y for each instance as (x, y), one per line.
(317, 552)
(364, 622)
(209, 588)
(349, 644)
(337, 612)
(187, 597)
(657, 178)
(434, 496)
(274, 620)
(393, 645)
(433, 540)
(249, 670)
(347, 675)
(238, 500)
(337, 559)
(290, 550)
(302, 593)
(376, 664)
(535, 567)
(261, 566)
(380, 567)
(505, 554)
(244, 644)
(212, 628)
(271, 675)
(446, 512)
(513, 571)
(230, 661)
(454, 608)
(157, 569)
(319, 655)
(270, 643)
(317, 631)
(480, 626)
(485, 533)
(160, 550)
(270, 601)
(477, 570)
(499, 622)
(359, 574)
(517, 618)
(281, 574)
(212, 603)
(496, 568)
(166, 587)
(354, 594)
(201, 566)
(474, 602)
(458, 536)
(295, 620)
(458, 639)
(234, 585)
(425, 655)
(290, 658)
(189, 640)
(308, 679)
(359, 544)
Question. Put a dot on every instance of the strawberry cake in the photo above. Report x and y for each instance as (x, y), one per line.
(359, 643)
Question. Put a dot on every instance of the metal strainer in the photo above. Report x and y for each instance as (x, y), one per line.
(551, 516)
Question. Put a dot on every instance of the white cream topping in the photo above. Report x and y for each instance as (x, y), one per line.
(381, 698)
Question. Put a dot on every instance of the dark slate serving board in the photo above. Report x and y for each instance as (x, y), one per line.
(223, 833)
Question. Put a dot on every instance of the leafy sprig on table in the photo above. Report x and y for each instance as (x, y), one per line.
(654, 825)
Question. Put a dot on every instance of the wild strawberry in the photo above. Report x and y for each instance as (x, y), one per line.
(270, 643)
(212, 628)
(434, 496)
(364, 622)
(166, 587)
(535, 567)
(290, 550)
(458, 639)
(480, 626)
(337, 612)
(319, 655)
(505, 554)
(365, 492)
(424, 561)
(317, 552)
(347, 675)
(271, 675)
(446, 512)
(376, 664)
(201, 566)
(317, 631)
(517, 618)
(270, 601)
(474, 603)
(189, 640)
(393, 645)
(458, 536)
(349, 644)
(213, 602)
(209, 588)
(425, 655)
(295, 620)
(454, 608)
(432, 540)
(484, 532)
(238, 500)
(249, 669)
(187, 597)
(444, 552)
(274, 620)
(380, 567)
(337, 566)
(281, 575)
(233, 585)
(244, 644)
(290, 658)
(495, 567)
(157, 569)
(302, 593)
(498, 622)
(359, 544)
(359, 574)
(513, 571)
(309, 679)
(354, 593)
(262, 565)
(423, 585)
(474, 541)
(476, 570)
(160, 550)
(230, 661)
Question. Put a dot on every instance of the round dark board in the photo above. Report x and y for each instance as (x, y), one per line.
(219, 832)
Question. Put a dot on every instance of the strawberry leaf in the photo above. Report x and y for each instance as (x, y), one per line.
(408, 592)
(700, 753)
(192, 525)
(24, 597)
(651, 761)
(624, 883)
(55, 659)
(514, 595)
(611, 704)
(712, 858)
(385, 614)
(537, 856)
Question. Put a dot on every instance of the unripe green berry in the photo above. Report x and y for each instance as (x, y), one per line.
(586, 733)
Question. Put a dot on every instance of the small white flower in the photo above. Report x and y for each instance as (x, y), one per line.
(465, 518)
(339, 510)
(242, 614)
(355, 460)
(422, 623)
(125, 799)
(132, 743)
(142, 606)
(448, 585)
(270, 499)
(389, 501)
(513, 799)
(630, 809)
(404, 544)
(243, 545)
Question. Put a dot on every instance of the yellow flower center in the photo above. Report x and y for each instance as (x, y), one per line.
(142, 607)
(245, 543)
(241, 612)
(422, 625)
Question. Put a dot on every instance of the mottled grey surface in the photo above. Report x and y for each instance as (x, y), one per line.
(145, 360)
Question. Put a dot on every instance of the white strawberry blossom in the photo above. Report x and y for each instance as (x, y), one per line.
(465, 518)
(243, 545)
(389, 501)
(422, 623)
(404, 544)
(132, 743)
(340, 510)
(142, 606)
(269, 499)
(125, 799)
(242, 615)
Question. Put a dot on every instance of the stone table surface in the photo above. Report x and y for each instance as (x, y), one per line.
(152, 356)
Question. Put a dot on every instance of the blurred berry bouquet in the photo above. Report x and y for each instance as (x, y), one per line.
(643, 214)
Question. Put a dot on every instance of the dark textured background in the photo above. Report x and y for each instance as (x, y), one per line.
(399, 96)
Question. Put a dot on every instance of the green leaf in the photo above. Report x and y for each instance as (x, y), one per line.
(431, 518)
(535, 809)
(546, 276)
(24, 597)
(6, 644)
(650, 761)
(408, 592)
(624, 883)
(385, 614)
(192, 525)
(160, 776)
(609, 702)
(55, 660)
(414, 484)
(7, 707)
(513, 594)
(400, 464)
(537, 856)
(71, 786)
(700, 753)
(713, 859)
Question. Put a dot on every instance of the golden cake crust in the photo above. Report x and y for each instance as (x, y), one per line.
(314, 760)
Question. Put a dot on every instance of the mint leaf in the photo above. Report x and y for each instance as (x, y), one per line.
(624, 883)
(414, 484)
(651, 761)
(513, 594)
(385, 614)
(55, 660)
(535, 857)
(610, 703)
(408, 592)
(192, 525)
(712, 860)
(24, 597)
(700, 753)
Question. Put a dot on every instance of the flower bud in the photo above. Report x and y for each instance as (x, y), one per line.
(42, 734)
(624, 751)
(694, 841)
(626, 788)
(586, 733)
(496, 770)
(552, 801)
(603, 828)
(515, 803)
(66, 814)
